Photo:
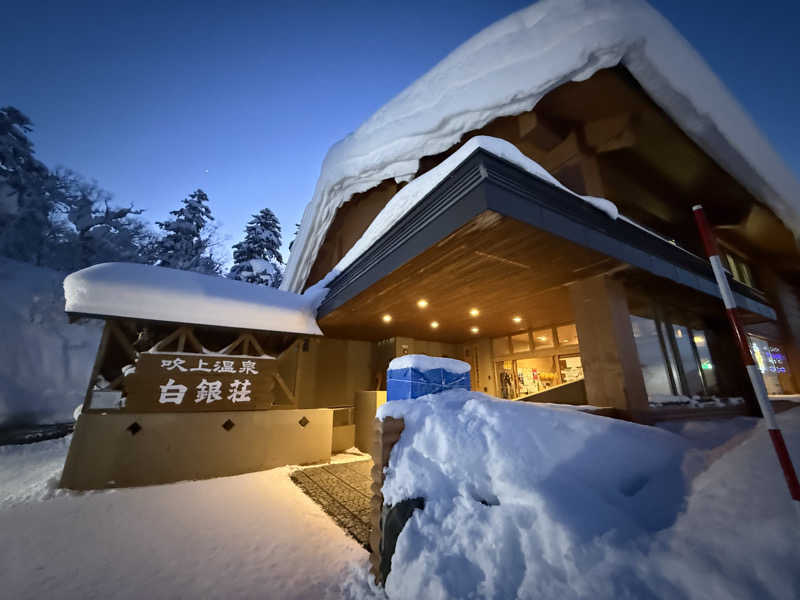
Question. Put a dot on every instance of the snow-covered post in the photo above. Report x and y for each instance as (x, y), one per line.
(710, 244)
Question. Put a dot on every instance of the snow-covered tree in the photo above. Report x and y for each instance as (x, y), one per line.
(257, 258)
(27, 191)
(188, 240)
(96, 231)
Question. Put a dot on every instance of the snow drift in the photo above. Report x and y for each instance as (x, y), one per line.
(524, 501)
(45, 362)
(507, 68)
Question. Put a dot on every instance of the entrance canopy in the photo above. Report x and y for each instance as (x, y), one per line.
(494, 234)
(151, 293)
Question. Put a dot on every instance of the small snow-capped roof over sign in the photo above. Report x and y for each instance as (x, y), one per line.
(507, 68)
(159, 294)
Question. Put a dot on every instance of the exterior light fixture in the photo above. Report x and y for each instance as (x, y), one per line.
(386, 318)
(474, 329)
(434, 324)
(422, 303)
(563, 341)
(474, 312)
(517, 319)
(542, 338)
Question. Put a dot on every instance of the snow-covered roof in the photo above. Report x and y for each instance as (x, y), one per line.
(507, 68)
(160, 294)
(408, 197)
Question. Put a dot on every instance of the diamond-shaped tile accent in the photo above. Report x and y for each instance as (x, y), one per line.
(134, 428)
(303, 422)
(228, 425)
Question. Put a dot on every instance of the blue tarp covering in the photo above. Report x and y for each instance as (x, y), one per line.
(417, 377)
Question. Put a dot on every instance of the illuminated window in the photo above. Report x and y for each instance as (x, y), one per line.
(520, 343)
(500, 346)
(543, 338)
(567, 334)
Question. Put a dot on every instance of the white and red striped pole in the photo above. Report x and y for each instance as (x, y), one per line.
(756, 380)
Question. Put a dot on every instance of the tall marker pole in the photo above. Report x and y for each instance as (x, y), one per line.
(775, 434)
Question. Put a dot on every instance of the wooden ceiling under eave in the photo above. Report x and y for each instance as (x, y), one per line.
(500, 266)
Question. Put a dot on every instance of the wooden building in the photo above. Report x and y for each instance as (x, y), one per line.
(462, 220)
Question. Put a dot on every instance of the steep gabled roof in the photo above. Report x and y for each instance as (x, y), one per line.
(507, 68)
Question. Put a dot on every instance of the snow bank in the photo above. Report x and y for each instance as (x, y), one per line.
(161, 294)
(45, 362)
(525, 501)
(507, 68)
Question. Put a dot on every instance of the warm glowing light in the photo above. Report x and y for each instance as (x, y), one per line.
(434, 324)
(699, 340)
(422, 303)
(474, 312)
(474, 329)
(563, 341)
(542, 338)
(517, 319)
(387, 318)
(678, 333)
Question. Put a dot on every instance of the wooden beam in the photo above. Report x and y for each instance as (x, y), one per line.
(162, 343)
(123, 340)
(612, 133)
(285, 388)
(532, 128)
(562, 153)
(98, 361)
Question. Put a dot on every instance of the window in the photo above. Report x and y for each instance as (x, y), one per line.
(675, 359)
(500, 346)
(657, 379)
(567, 334)
(543, 338)
(771, 362)
(739, 269)
(520, 343)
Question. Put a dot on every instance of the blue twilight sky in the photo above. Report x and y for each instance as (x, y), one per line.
(243, 99)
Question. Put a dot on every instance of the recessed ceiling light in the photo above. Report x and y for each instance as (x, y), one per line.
(474, 329)
(434, 324)
(474, 312)
(386, 318)
(517, 319)
(422, 303)
(542, 338)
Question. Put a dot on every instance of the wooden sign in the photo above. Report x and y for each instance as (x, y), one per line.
(184, 382)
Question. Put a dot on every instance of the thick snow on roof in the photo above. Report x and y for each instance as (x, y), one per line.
(507, 68)
(161, 294)
(404, 200)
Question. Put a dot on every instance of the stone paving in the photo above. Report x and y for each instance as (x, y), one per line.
(343, 491)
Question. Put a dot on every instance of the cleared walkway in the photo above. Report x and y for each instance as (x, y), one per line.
(343, 491)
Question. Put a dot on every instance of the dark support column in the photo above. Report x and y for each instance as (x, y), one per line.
(785, 299)
(611, 368)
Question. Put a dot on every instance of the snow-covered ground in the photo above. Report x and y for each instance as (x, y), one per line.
(45, 362)
(575, 506)
(250, 536)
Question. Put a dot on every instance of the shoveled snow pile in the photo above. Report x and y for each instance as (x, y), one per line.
(45, 362)
(162, 294)
(507, 68)
(525, 501)
(404, 200)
